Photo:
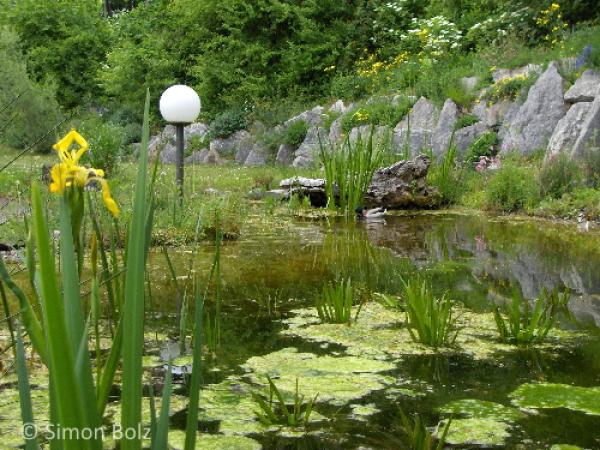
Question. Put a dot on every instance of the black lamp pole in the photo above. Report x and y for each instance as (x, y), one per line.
(179, 144)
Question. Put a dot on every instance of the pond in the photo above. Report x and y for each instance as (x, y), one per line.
(367, 373)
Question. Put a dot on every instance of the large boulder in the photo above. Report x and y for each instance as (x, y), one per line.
(532, 126)
(257, 156)
(403, 186)
(585, 89)
(168, 154)
(464, 137)
(416, 129)
(313, 117)
(285, 155)
(589, 138)
(335, 131)
(528, 70)
(197, 157)
(313, 188)
(493, 115)
(442, 134)
(381, 134)
(230, 145)
(568, 130)
(308, 153)
(338, 107)
(165, 140)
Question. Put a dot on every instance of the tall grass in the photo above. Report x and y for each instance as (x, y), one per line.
(525, 325)
(335, 305)
(430, 319)
(418, 437)
(349, 168)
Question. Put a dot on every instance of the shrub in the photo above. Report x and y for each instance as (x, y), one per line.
(380, 112)
(524, 325)
(107, 143)
(571, 204)
(227, 123)
(559, 175)
(484, 145)
(510, 88)
(349, 86)
(430, 319)
(295, 133)
(512, 188)
(466, 120)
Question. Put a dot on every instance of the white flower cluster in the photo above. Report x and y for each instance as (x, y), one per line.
(433, 37)
(496, 27)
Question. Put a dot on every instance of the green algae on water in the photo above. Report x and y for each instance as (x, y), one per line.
(213, 441)
(476, 431)
(480, 409)
(549, 396)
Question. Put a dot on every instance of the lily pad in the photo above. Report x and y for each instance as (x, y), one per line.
(362, 412)
(548, 396)
(476, 431)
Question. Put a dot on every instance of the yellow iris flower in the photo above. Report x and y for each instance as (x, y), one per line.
(69, 173)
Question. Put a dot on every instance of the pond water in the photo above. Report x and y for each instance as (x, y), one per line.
(365, 374)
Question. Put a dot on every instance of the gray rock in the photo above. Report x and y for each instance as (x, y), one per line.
(585, 89)
(197, 157)
(402, 186)
(338, 107)
(313, 188)
(568, 130)
(528, 70)
(257, 157)
(212, 157)
(168, 154)
(277, 194)
(244, 147)
(229, 145)
(285, 155)
(589, 138)
(442, 134)
(493, 115)
(464, 137)
(416, 129)
(531, 128)
(584, 57)
(381, 133)
(335, 131)
(166, 138)
(308, 152)
(313, 117)
(469, 83)
(196, 130)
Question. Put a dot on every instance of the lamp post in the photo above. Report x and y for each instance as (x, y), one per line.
(180, 106)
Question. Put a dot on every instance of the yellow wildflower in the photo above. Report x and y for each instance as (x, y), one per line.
(69, 173)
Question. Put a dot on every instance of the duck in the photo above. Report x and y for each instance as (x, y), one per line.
(373, 213)
(583, 224)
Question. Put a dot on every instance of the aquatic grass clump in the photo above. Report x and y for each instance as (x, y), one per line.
(419, 437)
(525, 325)
(335, 305)
(349, 168)
(278, 413)
(430, 319)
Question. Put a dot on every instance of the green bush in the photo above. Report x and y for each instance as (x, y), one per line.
(571, 204)
(35, 112)
(381, 112)
(349, 86)
(107, 143)
(227, 123)
(466, 120)
(295, 133)
(510, 88)
(512, 188)
(484, 145)
(559, 175)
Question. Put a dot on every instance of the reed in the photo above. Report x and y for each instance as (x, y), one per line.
(419, 437)
(349, 167)
(525, 325)
(430, 319)
(336, 302)
(275, 410)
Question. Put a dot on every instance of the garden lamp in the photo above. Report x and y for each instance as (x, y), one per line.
(180, 106)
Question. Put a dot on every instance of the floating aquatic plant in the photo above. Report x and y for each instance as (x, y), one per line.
(525, 325)
(275, 411)
(335, 305)
(430, 319)
(550, 395)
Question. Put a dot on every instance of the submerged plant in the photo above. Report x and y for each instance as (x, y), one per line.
(430, 319)
(275, 411)
(525, 325)
(419, 437)
(335, 305)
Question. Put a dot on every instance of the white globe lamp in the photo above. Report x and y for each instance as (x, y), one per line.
(180, 106)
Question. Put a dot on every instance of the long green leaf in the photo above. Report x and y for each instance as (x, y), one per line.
(162, 428)
(191, 427)
(133, 310)
(24, 391)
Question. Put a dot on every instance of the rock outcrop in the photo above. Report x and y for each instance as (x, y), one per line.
(532, 126)
(230, 145)
(313, 117)
(568, 130)
(257, 156)
(442, 134)
(416, 129)
(308, 152)
(585, 89)
(285, 155)
(403, 186)
(589, 138)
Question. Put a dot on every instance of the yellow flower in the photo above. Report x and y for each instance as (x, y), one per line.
(69, 173)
